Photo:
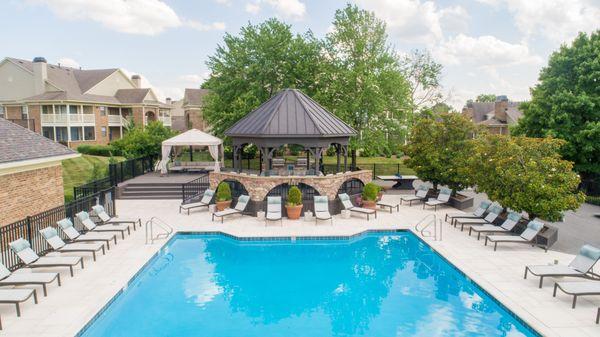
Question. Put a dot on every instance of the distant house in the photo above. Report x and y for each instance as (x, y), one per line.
(75, 106)
(30, 172)
(191, 108)
(496, 116)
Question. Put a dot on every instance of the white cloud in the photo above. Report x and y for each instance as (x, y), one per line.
(195, 78)
(144, 17)
(454, 19)
(68, 62)
(223, 2)
(252, 8)
(205, 27)
(291, 9)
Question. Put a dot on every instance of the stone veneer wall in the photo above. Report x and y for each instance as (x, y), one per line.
(258, 186)
(30, 192)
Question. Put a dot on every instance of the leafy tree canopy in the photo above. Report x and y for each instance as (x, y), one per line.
(142, 142)
(566, 103)
(525, 175)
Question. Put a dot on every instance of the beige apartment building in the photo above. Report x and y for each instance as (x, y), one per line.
(74, 106)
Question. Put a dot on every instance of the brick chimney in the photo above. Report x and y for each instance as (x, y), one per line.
(500, 107)
(40, 75)
(137, 81)
(169, 100)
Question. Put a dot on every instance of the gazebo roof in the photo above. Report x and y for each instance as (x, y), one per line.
(193, 137)
(290, 114)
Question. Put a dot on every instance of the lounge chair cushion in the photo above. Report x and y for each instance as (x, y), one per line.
(242, 203)
(362, 210)
(554, 269)
(227, 211)
(532, 230)
(321, 204)
(483, 206)
(506, 238)
(584, 287)
(15, 295)
(273, 216)
(51, 236)
(345, 199)
(19, 245)
(29, 278)
(193, 204)
(57, 260)
(65, 223)
(586, 259)
(322, 215)
(4, 272)
(489, 228)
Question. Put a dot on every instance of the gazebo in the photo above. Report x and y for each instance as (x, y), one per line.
(192, 139)
(290, 117)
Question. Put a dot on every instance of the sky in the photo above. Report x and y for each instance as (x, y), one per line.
(485, 46)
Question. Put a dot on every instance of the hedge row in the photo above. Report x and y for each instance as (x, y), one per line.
(594, 200)
(98, 150)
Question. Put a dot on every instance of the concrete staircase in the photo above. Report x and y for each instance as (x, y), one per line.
(150, 191)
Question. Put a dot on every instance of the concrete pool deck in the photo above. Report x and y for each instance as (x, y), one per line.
(68, 308)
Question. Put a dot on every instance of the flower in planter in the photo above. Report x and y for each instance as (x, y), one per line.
(223, 192)
(294, 197)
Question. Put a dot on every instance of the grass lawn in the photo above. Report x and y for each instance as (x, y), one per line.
(78, 171)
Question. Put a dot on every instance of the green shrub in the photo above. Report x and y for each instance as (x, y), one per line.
(594, 200)
(294, 196)
(98, 150)
(370, 192)
(223, 192)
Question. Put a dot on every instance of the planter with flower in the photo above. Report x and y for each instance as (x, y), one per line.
(369, 195)
(294, 205)
(223, 196)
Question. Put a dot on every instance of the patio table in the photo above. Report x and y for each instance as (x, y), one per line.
(402, 182)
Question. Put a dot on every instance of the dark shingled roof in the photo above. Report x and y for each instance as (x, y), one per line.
(290, 113)
(18, 143)
(131, 95)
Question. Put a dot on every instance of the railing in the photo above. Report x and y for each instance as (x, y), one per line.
(424, 225)
(166, 230)
(26, 123)
(114, 119)
(29, 227)
(382, 169)
(82, 118)
(91, 187)
(193, 189)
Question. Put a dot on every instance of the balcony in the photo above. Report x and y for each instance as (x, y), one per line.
(68, 119)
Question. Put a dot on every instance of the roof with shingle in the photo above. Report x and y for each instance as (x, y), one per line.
(19, 144)
(290, 113)
(132, 95)
(194, 96)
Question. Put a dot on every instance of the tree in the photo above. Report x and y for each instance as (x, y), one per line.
(438, 149)
(250, 68)
(565, 103)
(486, 98)
(423, 75)
(366, 87)
(525, 175)
(143, 142)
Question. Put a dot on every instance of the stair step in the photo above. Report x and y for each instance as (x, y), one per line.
(151, 197)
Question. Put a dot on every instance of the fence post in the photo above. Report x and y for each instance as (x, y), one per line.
(112, 173)
(374, 170)
(398, 169)
(28, 220)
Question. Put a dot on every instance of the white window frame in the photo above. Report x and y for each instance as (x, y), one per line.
(93, 133)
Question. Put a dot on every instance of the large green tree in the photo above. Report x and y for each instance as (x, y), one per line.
(143, 141)
(565, 103)
(249, 68)
(365, 83)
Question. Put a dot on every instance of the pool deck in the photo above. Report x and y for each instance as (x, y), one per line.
(68, 308)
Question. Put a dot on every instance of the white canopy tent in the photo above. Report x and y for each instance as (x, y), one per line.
(193, 138)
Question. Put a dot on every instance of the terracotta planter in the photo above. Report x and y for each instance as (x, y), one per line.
(379, 196)
(293, 212)
(369, 204)
(221, 205)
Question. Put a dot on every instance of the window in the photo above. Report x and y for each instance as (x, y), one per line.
(89, 133)
(1, 111)
(48, 132)
(76, 133)
(102, 111)
(74, 109)
(61, 134)
(113, 111)
(60, 109)
(103, 130)
(88, 109)
(24, 112)
(126, 112)
(47, 109)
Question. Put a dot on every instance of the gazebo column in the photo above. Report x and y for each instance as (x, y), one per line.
(308, 159)
(318, 158)
(345, 148)
(338, 148)
(191, 154)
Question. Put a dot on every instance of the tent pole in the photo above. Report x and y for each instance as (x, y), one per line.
(191, 154)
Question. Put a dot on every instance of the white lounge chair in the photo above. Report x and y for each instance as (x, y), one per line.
(108, 220)
(273, 210)
(322, 208)
(476, 214)
(58, 245)
(581, 266)
(494, 212)
(16, 297)
(442, 199)
(239, 208)
(66, 226)
(84, 217)
(347, 204)
(584, 288)
(528, 236)
(420, 195)
(22, 248)
(389, 205)
(7, 278)
(204, 202)
(507, 226)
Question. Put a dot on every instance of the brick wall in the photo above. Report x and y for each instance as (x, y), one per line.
(30, 192)
(196, 121)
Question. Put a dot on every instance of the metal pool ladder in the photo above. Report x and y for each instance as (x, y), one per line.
(424, 227)
(164, 230)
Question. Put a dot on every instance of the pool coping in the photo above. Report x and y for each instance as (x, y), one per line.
(293, 238)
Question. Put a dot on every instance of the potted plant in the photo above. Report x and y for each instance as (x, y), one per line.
(369, 195)
(223, 196)
(294, 203)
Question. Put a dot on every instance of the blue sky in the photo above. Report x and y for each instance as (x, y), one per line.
(485, 46)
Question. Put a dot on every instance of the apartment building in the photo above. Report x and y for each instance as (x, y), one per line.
(495, 116)
(74, 106)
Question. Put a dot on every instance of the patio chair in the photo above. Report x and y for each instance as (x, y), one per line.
(108, 220)
(581, 266)
(16, 297)
(204, 202)
(322, 209)
(7, 278)
(22, 248)
(528, 236)
(494, 212)
(273, 210)
(442, 199)
(66, 226)
(389, 205)
(347, 204)
(89, 225)
(239, 208)
(420, 195)
(507, 226)
(476, 214)
(50, 235)
(579, 289)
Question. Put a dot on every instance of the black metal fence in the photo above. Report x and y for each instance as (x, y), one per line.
(91, 187)
(308, 194)
(192, 190)
(382, 169)
(29, 227)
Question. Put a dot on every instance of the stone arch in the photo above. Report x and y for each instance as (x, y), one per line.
(237, 188)
(308, 193)
(352, 186)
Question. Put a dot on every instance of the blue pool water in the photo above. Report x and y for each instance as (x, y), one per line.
(385, 284)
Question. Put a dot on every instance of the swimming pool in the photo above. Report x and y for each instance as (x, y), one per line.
(378, 284)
